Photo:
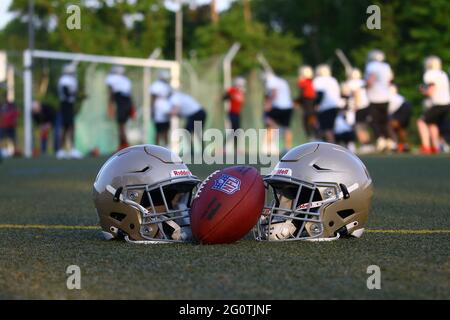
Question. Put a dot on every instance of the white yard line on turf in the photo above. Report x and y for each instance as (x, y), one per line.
(66, 227)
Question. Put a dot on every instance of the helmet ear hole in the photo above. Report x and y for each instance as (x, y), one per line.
(118, 216)
(344, 214)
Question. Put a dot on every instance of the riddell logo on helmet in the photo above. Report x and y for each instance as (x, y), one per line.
(282, 172)
(180, 173)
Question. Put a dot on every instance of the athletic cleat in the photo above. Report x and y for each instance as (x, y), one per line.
(426, 150)
(382, 145)
(366, 149)
(352, 147)
(391, 145)
(445, 148)
(61, 154)
(403, 148)
(75, 154)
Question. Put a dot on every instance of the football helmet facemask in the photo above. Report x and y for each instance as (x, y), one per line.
(318, 192)
(143, 194)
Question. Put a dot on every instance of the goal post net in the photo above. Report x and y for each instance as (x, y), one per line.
(93, 128)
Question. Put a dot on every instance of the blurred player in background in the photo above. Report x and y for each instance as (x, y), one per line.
(185, 106)
(278, 108)
(437, 90)
(67, 93)
(160, 92)
(328, 100)
(400, 112)
(344, 134)
(358, 102)
(236, 96)
(45, 117)
(8, 124)
(378, 77)
(444, 129)
(307, 102)
(120, 105)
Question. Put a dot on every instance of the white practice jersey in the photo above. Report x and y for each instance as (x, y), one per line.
(186, 104)
(438, 78)
(341, 125)
(161, 89)
(70, 82)
(395, 103)
(379, 92)
(283, 98)
(162, 110)
(331, 93)
(119, 84)
(162, 107)
(359, 99)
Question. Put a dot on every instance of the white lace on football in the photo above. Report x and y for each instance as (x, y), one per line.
(200, 188)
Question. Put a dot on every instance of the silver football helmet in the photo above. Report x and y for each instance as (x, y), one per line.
(143, 194)
(318, 192)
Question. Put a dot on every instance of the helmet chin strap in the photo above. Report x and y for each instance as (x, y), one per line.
(358, 233)
(286, 230)
(182, 230)
(179, 233)
(282, 230)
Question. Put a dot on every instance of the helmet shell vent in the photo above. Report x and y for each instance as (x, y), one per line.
(162, 154)
(118, 216)
(344, 214)
(318, 168)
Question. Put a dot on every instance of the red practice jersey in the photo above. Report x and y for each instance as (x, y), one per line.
(307, 89)
(8, 116)
(237, 99)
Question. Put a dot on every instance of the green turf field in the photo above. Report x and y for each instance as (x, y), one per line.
(412, 201)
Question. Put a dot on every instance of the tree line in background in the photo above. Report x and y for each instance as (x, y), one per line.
(288, 32)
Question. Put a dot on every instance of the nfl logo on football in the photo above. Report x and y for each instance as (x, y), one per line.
(227, 184)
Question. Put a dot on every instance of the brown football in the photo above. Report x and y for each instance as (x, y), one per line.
(228, 205)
